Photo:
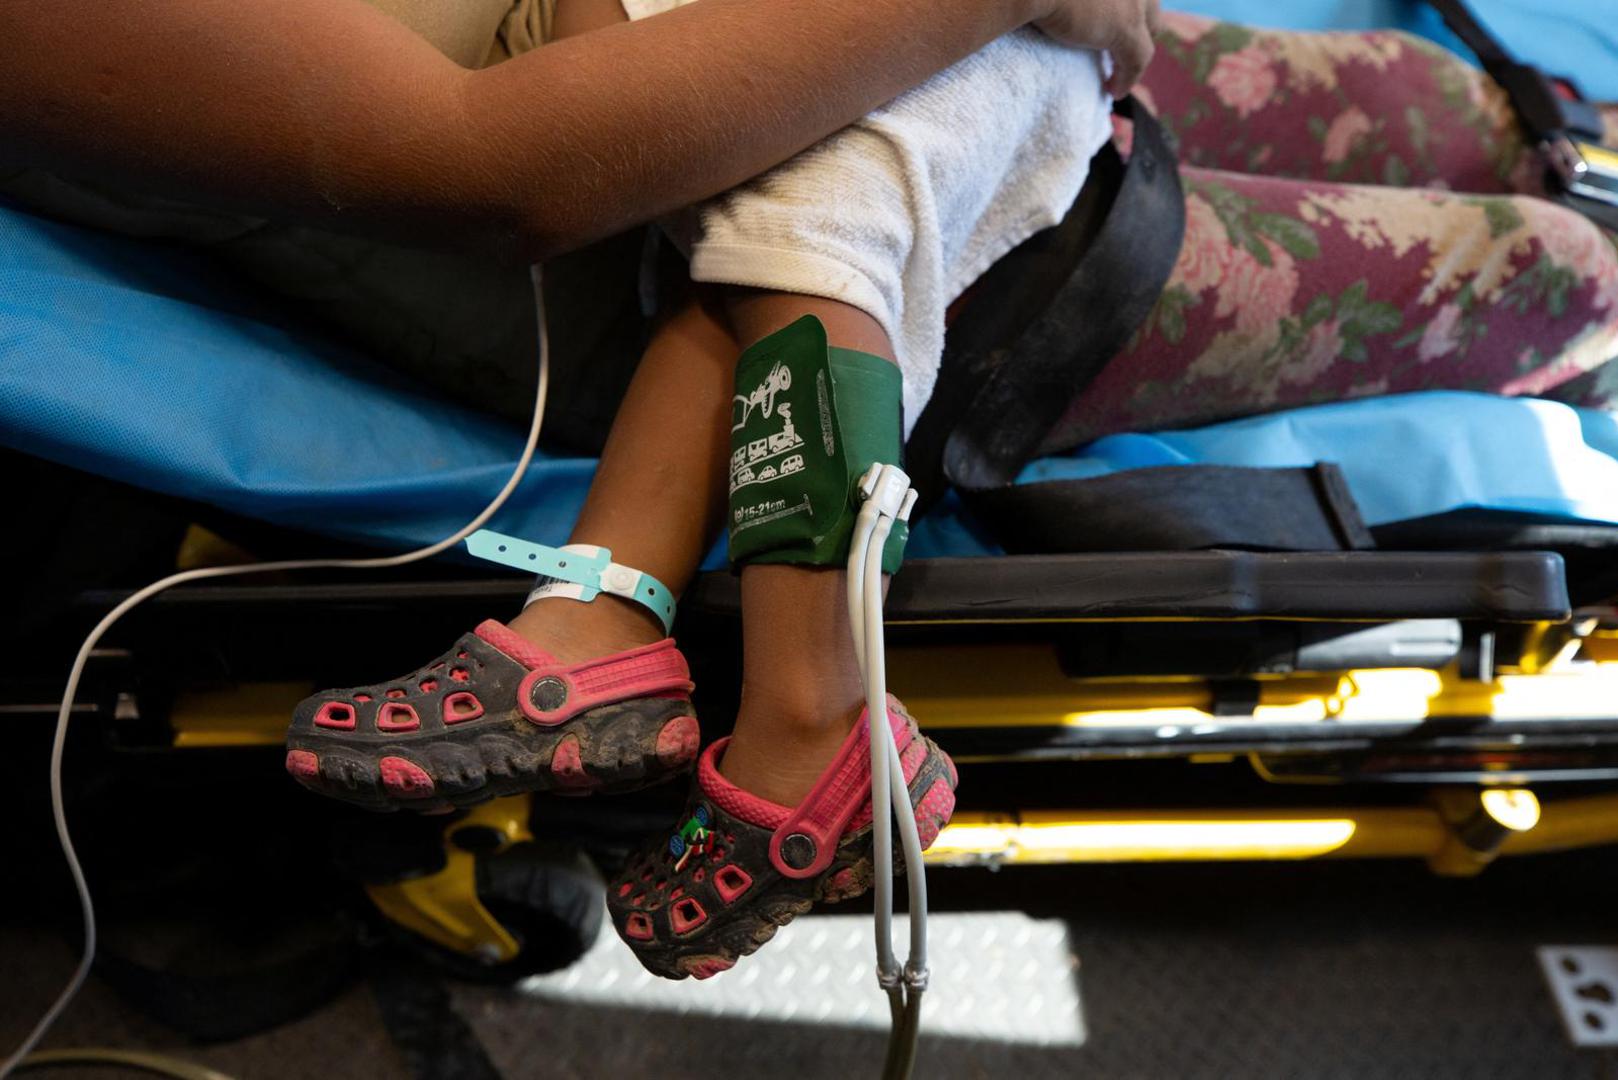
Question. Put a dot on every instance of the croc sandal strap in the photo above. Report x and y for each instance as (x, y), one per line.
(692, 903)
(577, 571)
(554, 693)
(804, 845)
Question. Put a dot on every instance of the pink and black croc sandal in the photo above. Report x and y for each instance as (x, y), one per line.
(494, 716)
(740, 867)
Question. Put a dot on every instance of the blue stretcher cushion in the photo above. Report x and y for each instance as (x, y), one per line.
(134, 363)
(1576, 38)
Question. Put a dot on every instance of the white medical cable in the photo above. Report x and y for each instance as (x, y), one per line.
(888, 498)
(881, 778)
(905, 1002)
(909, 837)
(136, 1060)
(204, 573)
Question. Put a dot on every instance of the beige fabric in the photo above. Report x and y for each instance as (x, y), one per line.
(476, 33)
(527, 25)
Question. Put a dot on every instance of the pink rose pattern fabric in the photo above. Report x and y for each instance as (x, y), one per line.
(1359, 221)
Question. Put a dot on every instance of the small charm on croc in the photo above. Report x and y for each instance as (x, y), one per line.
(693, 837)
(739, 867)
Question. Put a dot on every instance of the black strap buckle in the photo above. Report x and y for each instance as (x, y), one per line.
(1547, 107)
(1585, 176)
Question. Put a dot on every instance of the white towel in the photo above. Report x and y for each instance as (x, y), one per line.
(900, 212)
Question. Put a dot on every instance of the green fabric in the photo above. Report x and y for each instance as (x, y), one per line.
(807, 421)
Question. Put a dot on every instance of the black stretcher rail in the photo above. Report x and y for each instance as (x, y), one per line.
(1584, 743)
(1342, 586)
(1507, 587)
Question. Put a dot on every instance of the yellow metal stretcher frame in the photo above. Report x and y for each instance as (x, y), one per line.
(964, 687)
(1458, 833)
(444, 907)
(1458, 830)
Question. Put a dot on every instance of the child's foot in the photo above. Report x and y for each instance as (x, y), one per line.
(739, 866)
(779, 749)
(574, 632)
(498, 714)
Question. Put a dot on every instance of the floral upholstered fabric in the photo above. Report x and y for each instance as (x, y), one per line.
(1360, 220)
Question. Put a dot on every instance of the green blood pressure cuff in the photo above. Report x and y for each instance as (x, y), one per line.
(807, 421)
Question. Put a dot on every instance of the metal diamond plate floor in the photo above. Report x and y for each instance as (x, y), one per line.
(995, 975)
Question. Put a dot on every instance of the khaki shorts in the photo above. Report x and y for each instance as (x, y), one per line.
(476, 33)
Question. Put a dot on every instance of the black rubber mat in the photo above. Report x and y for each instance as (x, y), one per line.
(431, 1037)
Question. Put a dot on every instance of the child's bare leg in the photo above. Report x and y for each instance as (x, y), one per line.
(692, 903)
(801, 688)
(452, 733)
(659, 493)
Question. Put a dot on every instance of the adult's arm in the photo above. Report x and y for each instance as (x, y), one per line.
(327, 110)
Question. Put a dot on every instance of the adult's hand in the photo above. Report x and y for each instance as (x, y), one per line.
(1124, 28)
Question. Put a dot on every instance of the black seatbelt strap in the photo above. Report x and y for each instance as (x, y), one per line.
(1037, 330)
(1568, 131)
(1115, 286)
(1544, 111)
(1179, 508)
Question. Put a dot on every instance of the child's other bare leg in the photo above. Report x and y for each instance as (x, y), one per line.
(737, 868)
(801, 688)
(659, 493)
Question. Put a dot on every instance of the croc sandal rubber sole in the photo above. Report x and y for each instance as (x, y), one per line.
(739, 868)
(496, 716)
